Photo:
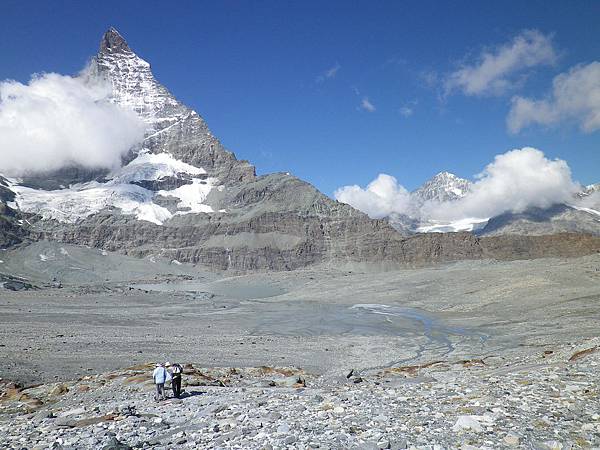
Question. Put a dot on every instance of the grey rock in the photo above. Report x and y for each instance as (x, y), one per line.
(114, 444)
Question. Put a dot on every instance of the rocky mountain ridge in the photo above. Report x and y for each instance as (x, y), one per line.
(180, 194)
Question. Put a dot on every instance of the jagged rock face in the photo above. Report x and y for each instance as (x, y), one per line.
(6, 194)
(62, 178)
(11, 229)
(443, 187)
(403, 223)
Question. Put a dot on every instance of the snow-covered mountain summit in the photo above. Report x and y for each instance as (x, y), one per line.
(591, 189)
(134, 85)
(443, 187)
(173, 128)
(169, 173)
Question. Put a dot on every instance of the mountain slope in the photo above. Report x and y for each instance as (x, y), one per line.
(183, 195)
(544, 221)
(180, 194)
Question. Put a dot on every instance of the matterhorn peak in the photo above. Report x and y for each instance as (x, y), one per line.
(113, 42)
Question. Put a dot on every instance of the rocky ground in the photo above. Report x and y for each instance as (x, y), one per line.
(466, 355)
(548, 400)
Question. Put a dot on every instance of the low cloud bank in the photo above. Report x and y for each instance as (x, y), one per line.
(514, 181)
(56, 121)
(382, 197)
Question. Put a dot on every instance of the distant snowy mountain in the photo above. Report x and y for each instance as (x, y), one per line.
(592, 188)
(443, 187)
(582, 215)
(590, 195)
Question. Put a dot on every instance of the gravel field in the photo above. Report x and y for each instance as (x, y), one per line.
(486, 341)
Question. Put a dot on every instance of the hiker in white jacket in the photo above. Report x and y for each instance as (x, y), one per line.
(160, 376)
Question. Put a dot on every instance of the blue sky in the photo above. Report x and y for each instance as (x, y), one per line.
(288, 85)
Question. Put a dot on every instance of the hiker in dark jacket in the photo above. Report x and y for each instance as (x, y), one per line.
(176, 373)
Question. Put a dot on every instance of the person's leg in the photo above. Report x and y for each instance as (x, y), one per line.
(178, 385)
(162, 390)
(157, 394)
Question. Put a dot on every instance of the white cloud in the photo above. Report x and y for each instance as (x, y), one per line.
(367, 105)
(494, 71)
(575, 98)
(514, 181)
(329, 73)
(56, 121)
(429, 78)
(406, 111)
(382, 197)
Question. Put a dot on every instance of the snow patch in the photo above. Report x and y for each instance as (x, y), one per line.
(83, 200)
(80, 201)
(587, 210)
(151, 166)
(466, 224)
(191, 196)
